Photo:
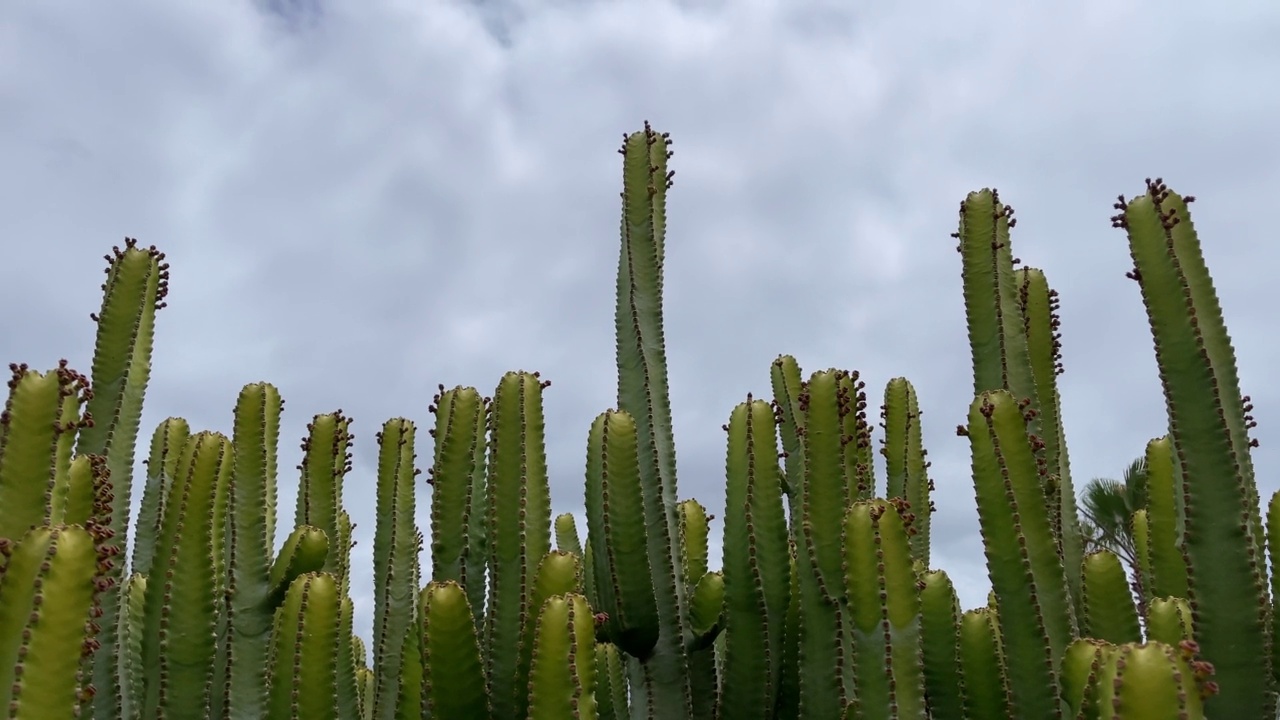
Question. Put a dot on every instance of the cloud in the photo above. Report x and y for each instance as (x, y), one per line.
(361, 200)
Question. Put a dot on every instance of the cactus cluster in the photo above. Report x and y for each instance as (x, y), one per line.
(825, 606)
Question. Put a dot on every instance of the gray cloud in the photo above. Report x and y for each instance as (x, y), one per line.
(364, 199)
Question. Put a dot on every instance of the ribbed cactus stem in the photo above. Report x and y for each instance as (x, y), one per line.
(179, 644)
(940, 650)
(135, 288)
(757, 565)
(884, 614)
(643, 392)
(519, 522)
(395, 556)
(907, 468)
(1027, 577)
(562, 680)
(1110, 613)
(453, 679)
(37, 430)
(1223, 539)
(304, 660)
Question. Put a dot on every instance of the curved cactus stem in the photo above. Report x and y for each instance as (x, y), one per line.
(135, 289)
(558, 573)
(1027, 577)
(940, 650)
(1223, 538)
(884, 614)
(1039, 306)
(1110, 614)
(757, 565)
(643, 392)
(46, 592)
(562, 679)
(453, 680)
(857, 453)
(304, 659)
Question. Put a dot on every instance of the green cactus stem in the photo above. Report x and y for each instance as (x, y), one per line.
(757, 565)
(1169, 621)
(1027, 577)
(453, 678)
(1110, 614)
(303, 663)
(135, 289)
(987, 691)
(519, 506)
(940, 650)
(1153, 682)
(616, 530)
(395, 555)
(48, 587)
(179, 645)
(1223, 539)
(1165, 522)
(562, 679)
(643, 393)
(884, 613)
(904, 455)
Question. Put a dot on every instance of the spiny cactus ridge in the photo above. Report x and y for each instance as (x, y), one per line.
(825, 605)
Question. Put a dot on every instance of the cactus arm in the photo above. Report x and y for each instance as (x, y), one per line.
(616, 531)
(394, 558)
(904, 454)
(562, 680)
(1081, 664)
(1110, 614)
(1149, 682)
(884, 613)
(135, 288)
(303, 669)
(132, 630)
(457, 432)
(325, 462)
(940, 650)
(519, 526)
(859, 472)
(1168, 565)
(1027, 577)
(453, 678)
(256, 431)
(787, 384)
(37, 429)
(566, 531)
(643, 392)
(987, 693)
(46, 593)
(167, 442)
(1223, 539)
(558, 573)
(181, 608)
(1039, 305)
(611, 684)
(756, 564)
(1169, 621)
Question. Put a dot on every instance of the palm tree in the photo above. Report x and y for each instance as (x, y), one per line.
(1107, 507)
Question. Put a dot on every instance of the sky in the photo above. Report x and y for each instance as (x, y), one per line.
(363, 199)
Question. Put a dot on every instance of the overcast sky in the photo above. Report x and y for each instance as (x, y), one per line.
(362, 199)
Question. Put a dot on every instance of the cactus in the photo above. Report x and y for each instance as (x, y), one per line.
(825, 605)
